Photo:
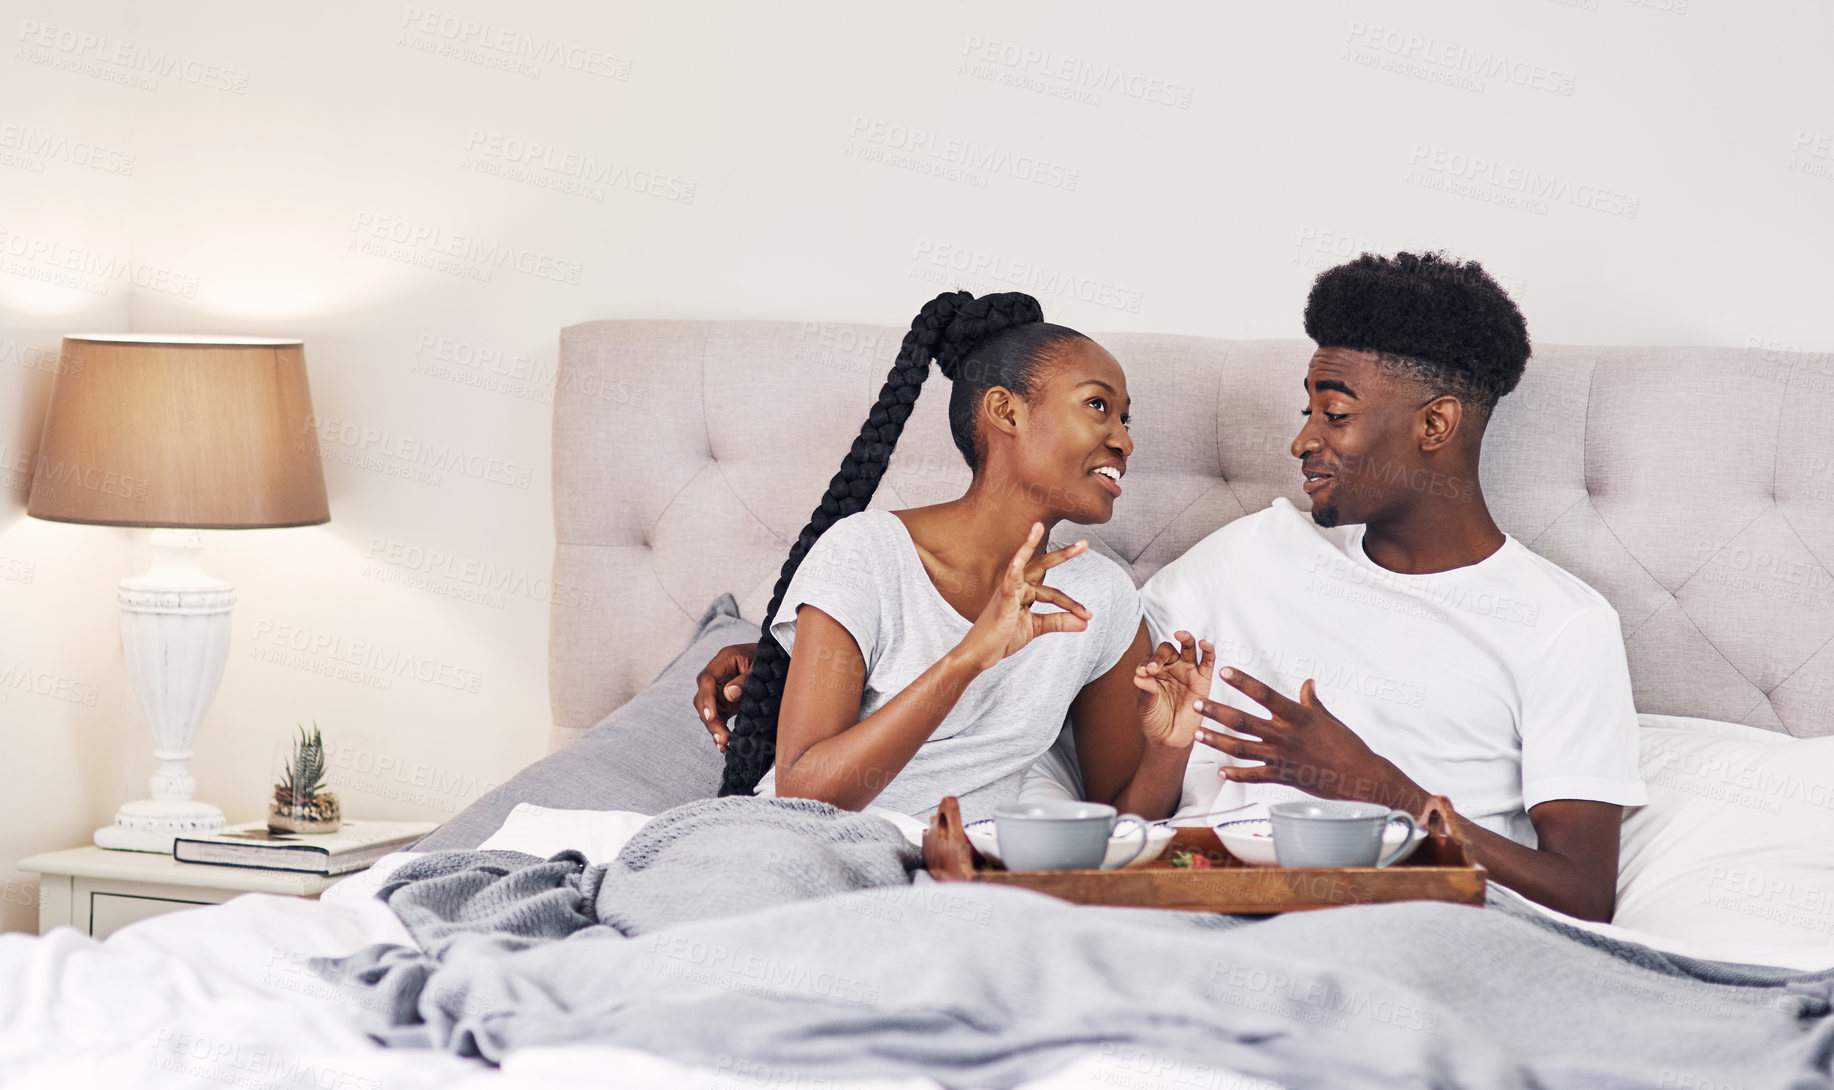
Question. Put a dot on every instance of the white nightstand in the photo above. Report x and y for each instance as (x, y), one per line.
(99, 891)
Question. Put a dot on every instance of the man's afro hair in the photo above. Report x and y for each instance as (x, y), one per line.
(1447, 316)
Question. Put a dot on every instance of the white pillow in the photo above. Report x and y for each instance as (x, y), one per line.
(600, 835)
(1737, 842)
(540, 830)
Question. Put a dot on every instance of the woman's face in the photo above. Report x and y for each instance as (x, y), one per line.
(1072, 444)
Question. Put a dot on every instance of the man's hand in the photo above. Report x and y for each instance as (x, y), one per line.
(1304, 745)
(718, 688)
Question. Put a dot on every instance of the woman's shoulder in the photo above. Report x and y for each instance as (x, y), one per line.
(870, 529)
(848, 573)
(1099, 573)
(858, 550)
(871, 522)
(1104, 586)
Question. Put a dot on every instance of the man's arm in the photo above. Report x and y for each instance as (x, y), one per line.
(1575, 867)
(718, 687)
(1302, 744)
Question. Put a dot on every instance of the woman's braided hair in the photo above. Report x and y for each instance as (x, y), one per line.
(995, 340)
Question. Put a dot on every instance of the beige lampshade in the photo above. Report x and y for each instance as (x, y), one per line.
(207, 433)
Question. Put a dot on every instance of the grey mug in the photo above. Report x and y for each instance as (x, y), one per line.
(1331, 833)
(1058, 834)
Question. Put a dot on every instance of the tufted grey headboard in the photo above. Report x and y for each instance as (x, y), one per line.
(1693, 487)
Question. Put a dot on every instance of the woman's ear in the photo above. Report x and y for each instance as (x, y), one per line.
(1002, 409)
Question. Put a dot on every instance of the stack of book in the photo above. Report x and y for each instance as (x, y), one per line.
(251, 844)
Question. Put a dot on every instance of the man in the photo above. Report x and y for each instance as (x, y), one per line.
(1429, 652)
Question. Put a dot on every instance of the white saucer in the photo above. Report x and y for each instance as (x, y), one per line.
(982, 835)
(1252, 840)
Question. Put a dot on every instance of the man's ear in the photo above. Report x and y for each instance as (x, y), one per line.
(1002, 408)
(1440, 420)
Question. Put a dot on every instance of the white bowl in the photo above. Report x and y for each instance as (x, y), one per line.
(982, 835)
(1249, 839)
(1252, 840)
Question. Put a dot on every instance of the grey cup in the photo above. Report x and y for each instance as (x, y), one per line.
(1058, 834)
(1329, 833)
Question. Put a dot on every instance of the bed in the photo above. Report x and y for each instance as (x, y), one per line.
(1687, 485)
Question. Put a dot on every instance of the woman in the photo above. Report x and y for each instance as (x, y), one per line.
(920, 668)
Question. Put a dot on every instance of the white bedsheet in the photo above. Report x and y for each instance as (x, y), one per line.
(221, 996)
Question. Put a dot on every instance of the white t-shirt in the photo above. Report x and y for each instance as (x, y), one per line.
(865, 573)
(1500, 685)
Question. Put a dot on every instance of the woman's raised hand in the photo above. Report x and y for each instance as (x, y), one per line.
(1007, 623)
(1170, 682)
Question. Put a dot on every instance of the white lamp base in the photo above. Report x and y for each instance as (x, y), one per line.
(150, 825)
(175, 640)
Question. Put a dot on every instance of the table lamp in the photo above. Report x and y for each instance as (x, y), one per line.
(180, 434)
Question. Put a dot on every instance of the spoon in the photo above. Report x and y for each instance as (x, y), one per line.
(1200, 817)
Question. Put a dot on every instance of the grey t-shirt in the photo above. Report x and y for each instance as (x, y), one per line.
(866, 574)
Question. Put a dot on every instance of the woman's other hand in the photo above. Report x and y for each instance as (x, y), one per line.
(1171, 681)
(1007, 622)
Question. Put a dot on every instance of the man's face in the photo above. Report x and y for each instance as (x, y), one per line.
(1360, 440)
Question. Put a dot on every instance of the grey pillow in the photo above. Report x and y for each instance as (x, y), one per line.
(650, 755)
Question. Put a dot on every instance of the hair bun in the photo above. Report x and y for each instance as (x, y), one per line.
(971, 321)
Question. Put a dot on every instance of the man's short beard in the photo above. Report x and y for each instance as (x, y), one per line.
(1325, 516)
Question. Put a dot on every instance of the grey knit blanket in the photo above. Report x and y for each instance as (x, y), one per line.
(784, 938)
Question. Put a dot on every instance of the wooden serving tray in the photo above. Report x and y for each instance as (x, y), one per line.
(1440, 869)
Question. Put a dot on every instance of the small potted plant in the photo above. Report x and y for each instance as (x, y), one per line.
(301, 803)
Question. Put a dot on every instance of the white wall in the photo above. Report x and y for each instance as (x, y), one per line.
(294, 168)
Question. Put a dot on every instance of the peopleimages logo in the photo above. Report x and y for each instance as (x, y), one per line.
(330, 436)
(1078, 79)
(954, 267)
(323, 652)
(477, 573)
(1812, 153)
(506, 48)
(923, 151)
(119, 61)
(15, 570)
(1395, 591)
(433, 247)
(1319, 248)
(38, 358)
(1454, 59)
(567, 170)
(370, 771)
(1520, 181)
(15, 678)
(84, 268)
(48, 476)
(29, 149)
